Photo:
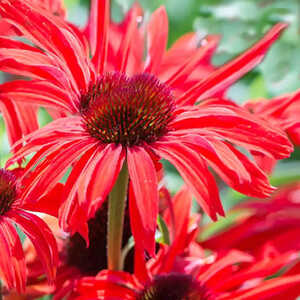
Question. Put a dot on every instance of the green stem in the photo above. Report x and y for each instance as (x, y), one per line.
(116, 212)
(1, 297)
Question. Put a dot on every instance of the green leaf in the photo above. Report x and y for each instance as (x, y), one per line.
(258, 88)
(285, 173)
(165, 236)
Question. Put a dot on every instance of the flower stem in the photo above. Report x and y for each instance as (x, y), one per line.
(1, 290)
(116, 212)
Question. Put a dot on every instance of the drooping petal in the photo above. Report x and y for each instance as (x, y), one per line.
(275, 288)
(41, 237)
(261, 269)
(109, 285)
(56, 133)
(19, 120)
(182, 203)
(10, 117)
(195, 173)
(143, 178)
(6, 270)
(49, 204)
(38, 93)
(232, 71)
(32, 64)
(70, 205)
(52, 34)
(13, 261)
(104, 170)
(235, 124)
(51, 170)
(230, 258)
(235, 168)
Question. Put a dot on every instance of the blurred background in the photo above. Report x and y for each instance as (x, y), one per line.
(240, 23)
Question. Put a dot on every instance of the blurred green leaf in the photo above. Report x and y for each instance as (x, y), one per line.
(165, 236)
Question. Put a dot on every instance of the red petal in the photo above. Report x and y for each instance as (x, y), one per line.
(193, 62)
(37, 93)
(13, 260)
(230, 258)
(226, 75)
(57, 133)
(99, 32)
(111, 285)
(235, 124)
(233, 167)
(182, 209)
(267, 289)
(157, 38)
(32, 64)
(41, 237)
(11, 121)
(71, 205)
(51, 170)
(101, 177)
(261, 269)
(50, 203)
(143, 178)
(53, 35)
(195, 174)
(128, 40)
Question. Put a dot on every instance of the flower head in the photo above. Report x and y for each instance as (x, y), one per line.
(274, 221)
(76, 258)
(12, 204)
(138, 111)
(124, 110)
(175, 286)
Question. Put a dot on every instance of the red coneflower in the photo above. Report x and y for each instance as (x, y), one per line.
(76, 259)
(125, 113)
(12, 263)
(274, 221)
(180, 271)
(22, 119)
(177, 273)
(283, 112)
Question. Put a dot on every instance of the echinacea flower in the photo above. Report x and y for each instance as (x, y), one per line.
(283, 112)
(22, 119)
(275, 221)
(54, 6)
(12, 262)
(124, 112)
(77, 259)
(178, 272)
(233, 275)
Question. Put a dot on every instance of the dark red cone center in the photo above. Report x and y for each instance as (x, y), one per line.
(8, 190)
(127, 111)
(175, 286)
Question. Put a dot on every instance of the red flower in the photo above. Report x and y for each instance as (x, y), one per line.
(76, 259)
(282, 112)
(233, 275)
(54, 6)
(12, 263)
(21, 119)
(180, 271)
(129, 111)
(274, 221)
